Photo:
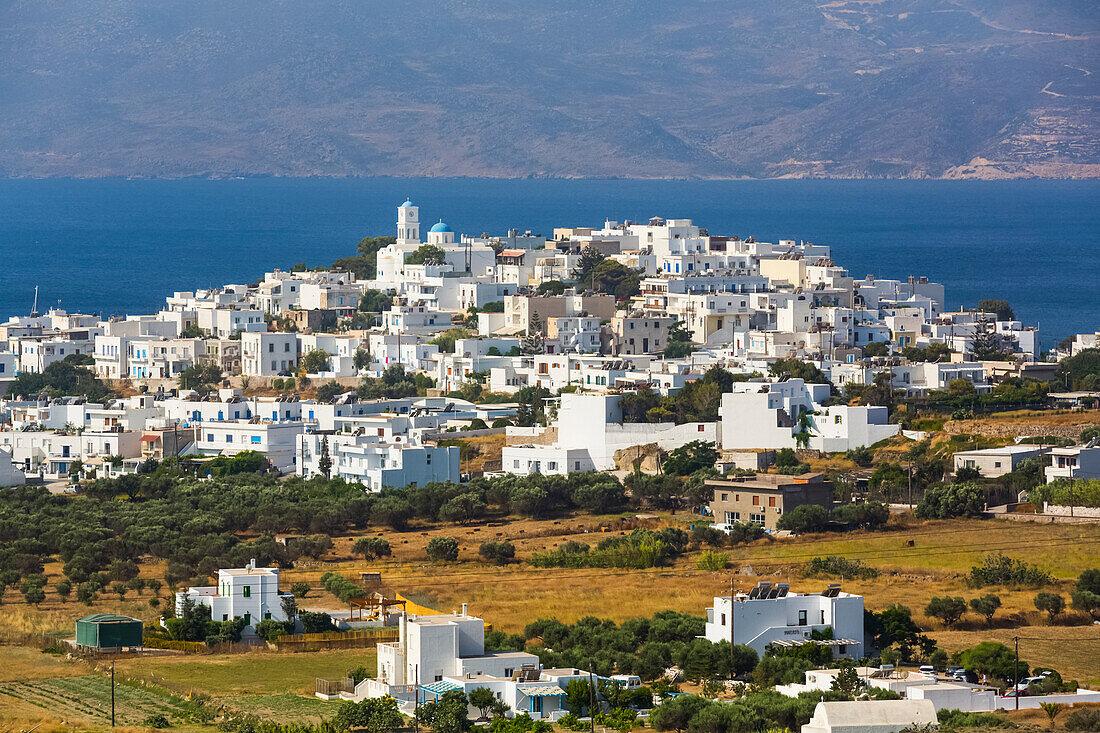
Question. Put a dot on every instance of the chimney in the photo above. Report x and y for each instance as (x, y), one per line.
(252, 564)
(464, 606)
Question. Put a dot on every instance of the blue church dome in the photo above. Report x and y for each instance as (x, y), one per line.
(408, 202)
(440, 227)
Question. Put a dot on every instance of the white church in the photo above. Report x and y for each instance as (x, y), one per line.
(467, 257)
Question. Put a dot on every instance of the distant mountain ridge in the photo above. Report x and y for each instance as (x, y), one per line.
(573, 88)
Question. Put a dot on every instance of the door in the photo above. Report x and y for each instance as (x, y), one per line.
(536, 705)
(645, 345)
(801, 618)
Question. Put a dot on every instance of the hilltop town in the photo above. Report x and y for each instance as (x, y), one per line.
(605, 423)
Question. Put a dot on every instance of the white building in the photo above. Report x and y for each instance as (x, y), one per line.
(774, 615)
(759, 414)
(377, 458)
(944, 694)
(250, 593)
(1075, 462)
(408, 223)
(9, 474)
(588, 433)
(871, 716)
(439, 653)
(994, 462)
(268, 354)
(275, 440)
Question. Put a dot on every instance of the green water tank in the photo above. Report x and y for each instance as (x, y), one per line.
(108, 631)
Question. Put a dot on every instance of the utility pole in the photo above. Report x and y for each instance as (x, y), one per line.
(910, 484)
(733, 597)
(591, 704)
(112, 693)
(1016, 671)
(416, 697)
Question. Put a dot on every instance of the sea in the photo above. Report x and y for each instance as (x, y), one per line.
(114, 247)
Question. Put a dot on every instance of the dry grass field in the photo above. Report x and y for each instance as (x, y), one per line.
(915, 559)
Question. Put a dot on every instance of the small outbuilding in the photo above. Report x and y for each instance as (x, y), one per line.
(107, 632)
(871, 716)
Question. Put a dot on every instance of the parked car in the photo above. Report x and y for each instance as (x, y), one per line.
(927, 669)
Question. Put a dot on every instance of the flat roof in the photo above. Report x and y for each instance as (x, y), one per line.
(1028, 448)
(500, 655)
(441, 619)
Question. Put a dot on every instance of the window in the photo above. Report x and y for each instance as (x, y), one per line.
(255, 438)
(225, 617)
(725, 497)
(438, 677)
(701, 427)
(732, 517)
(209, 437)
(996, 464)
(228, 438)
(723, 619)
(838, 420)
(771, 501)
(756, 518)
(756, 500)
(576, 465)
(267, 614)
(247, 591)
(286, 346)
(552, 465)
(271, 348)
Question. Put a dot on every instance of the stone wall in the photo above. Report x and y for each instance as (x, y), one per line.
(1013, 430)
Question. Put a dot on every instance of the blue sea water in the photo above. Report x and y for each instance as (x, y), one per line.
(115, 246)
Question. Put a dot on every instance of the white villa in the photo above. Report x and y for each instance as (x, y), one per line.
(250, 593)
(773, 615)
(435, 654)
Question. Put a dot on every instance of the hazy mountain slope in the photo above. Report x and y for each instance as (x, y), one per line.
(710, 88)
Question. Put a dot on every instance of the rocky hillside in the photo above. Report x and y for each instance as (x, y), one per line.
(695, 88)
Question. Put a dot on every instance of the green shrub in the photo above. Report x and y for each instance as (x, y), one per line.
(157, 720)
(952, 500)
(1084, 720)
(840, 566)
(500, 553)
(711, 560)
(341, 587)
(1000, 569)
(442, 549)
(804, 518)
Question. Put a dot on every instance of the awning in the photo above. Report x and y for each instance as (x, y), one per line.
(540, 690)
(821, 642)
(150, 438)
(441, 686)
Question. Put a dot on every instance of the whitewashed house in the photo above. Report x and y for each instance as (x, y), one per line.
(436, 654)
(266, 354)
(249, 593)
(1075, 462)
(587, 434)
(773, 615)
